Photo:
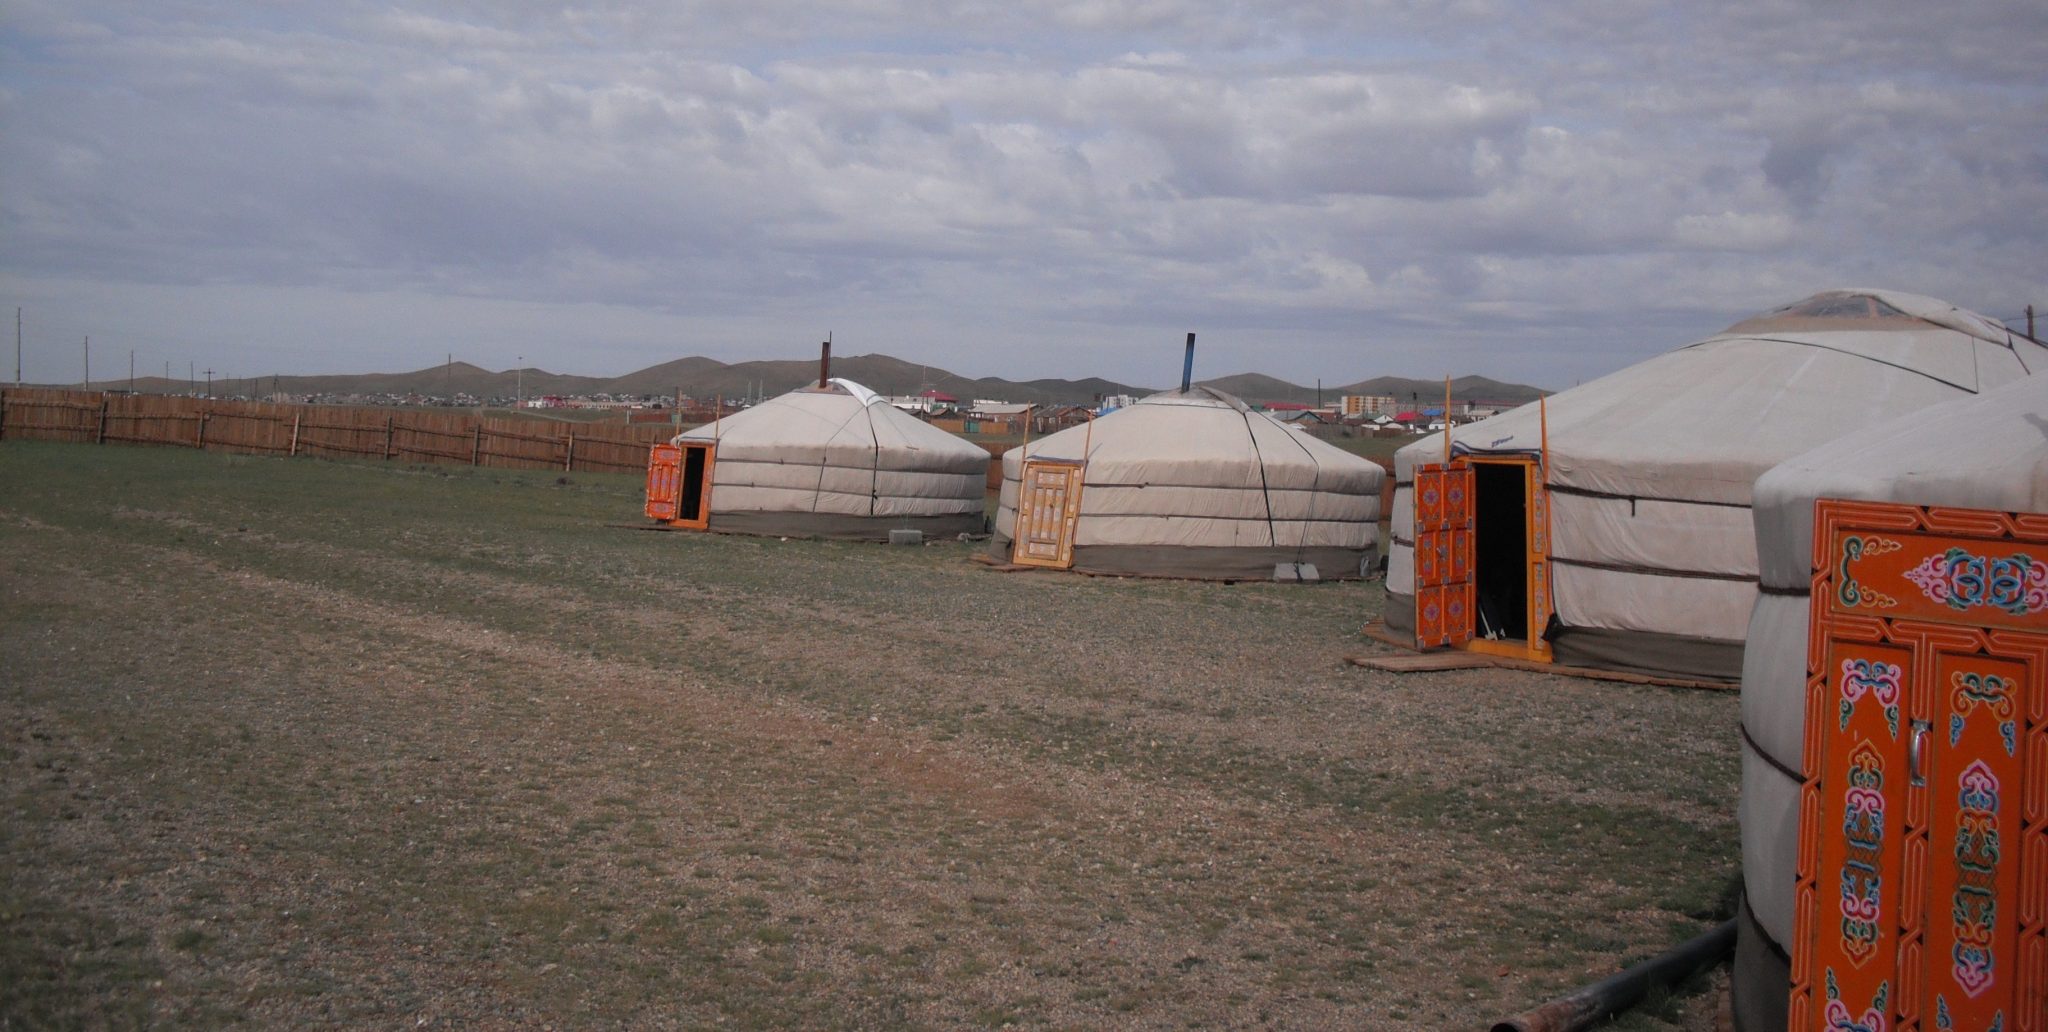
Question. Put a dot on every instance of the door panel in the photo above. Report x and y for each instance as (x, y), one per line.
(663, 481)
(1975, 785)
(1048, 507)
(1923, 867)
(1443, 555)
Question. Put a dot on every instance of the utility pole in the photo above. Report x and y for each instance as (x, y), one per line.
(191, 377)
(17, 345)
(519, 384)
(131, 370)
(88, 365)
(209, 381)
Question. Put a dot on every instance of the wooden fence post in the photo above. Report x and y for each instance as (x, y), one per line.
(103, 420)
(204, 415)
(569, 457)
(295, 436)
(3, 415)
(476, 447)
(387, 438)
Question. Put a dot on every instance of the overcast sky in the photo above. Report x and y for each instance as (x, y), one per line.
(1541, 191)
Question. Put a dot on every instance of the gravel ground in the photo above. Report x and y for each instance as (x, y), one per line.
(299, 743)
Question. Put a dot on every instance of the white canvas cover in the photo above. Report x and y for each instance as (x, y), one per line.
(1984, 452)
(1196, 484)
(1653, 552)
(838, 460)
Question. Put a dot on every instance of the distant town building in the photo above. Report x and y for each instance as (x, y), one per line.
(1366, 405)
(928, 403)
(1051, 420)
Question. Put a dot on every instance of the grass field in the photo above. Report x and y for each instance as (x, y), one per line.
(307, 743)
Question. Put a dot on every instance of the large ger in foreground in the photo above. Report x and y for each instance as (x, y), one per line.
(1943, 733)
(1647, 557)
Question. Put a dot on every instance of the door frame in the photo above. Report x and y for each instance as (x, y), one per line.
(1065, 520)
(667, 464)
(1458, 557)
(1536, 559)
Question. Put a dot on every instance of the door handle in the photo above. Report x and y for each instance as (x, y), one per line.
(1916, 752)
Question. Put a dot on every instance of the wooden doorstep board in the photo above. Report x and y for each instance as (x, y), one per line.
(998, 565)
(1415, 660)
(1379, 632)
(1449, 659)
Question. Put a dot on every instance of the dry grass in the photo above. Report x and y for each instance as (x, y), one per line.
(308, 743)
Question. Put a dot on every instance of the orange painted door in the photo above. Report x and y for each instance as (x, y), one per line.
(1443, 555)
(1540, 604)
(664, 481)
(1048, 508)
(1923, 863)
(1975, 787)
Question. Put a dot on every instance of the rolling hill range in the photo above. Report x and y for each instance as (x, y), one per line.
(706, 377)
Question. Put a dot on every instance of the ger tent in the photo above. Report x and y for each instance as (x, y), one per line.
(830, 460)
(1989, 452)
(1189, 483)
(1647, 560)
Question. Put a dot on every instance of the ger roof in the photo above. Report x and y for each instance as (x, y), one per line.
(1702, 421)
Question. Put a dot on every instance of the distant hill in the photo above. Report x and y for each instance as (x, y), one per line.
(1463, 388)
(1258, 387)
(702, 377)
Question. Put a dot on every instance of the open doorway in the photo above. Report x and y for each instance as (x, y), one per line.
(1500, 551)
(696, 462)
(679, 484)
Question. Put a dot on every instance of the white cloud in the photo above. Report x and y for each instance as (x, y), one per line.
(1436, 180)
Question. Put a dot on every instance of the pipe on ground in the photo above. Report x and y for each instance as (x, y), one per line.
(1617, 993)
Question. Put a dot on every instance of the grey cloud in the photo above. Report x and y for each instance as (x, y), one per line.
(1392, 172)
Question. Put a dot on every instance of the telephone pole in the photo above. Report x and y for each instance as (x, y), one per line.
(88, 365)
(17, 345)
(131, 370)
(209, 381)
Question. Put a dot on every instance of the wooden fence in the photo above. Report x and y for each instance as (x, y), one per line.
(321, 430)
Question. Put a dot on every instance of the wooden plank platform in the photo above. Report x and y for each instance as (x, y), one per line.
(1459, 659)
(1377, 630)
(1380, 632)
(1449, 659)
(998, 565)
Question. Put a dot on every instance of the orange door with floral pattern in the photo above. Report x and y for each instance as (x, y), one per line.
(1922, 900)
(1443, 555)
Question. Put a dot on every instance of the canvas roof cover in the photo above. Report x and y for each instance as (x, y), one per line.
(838, 460)
(1984, 452)
(1196, 484)
(1653, 555)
